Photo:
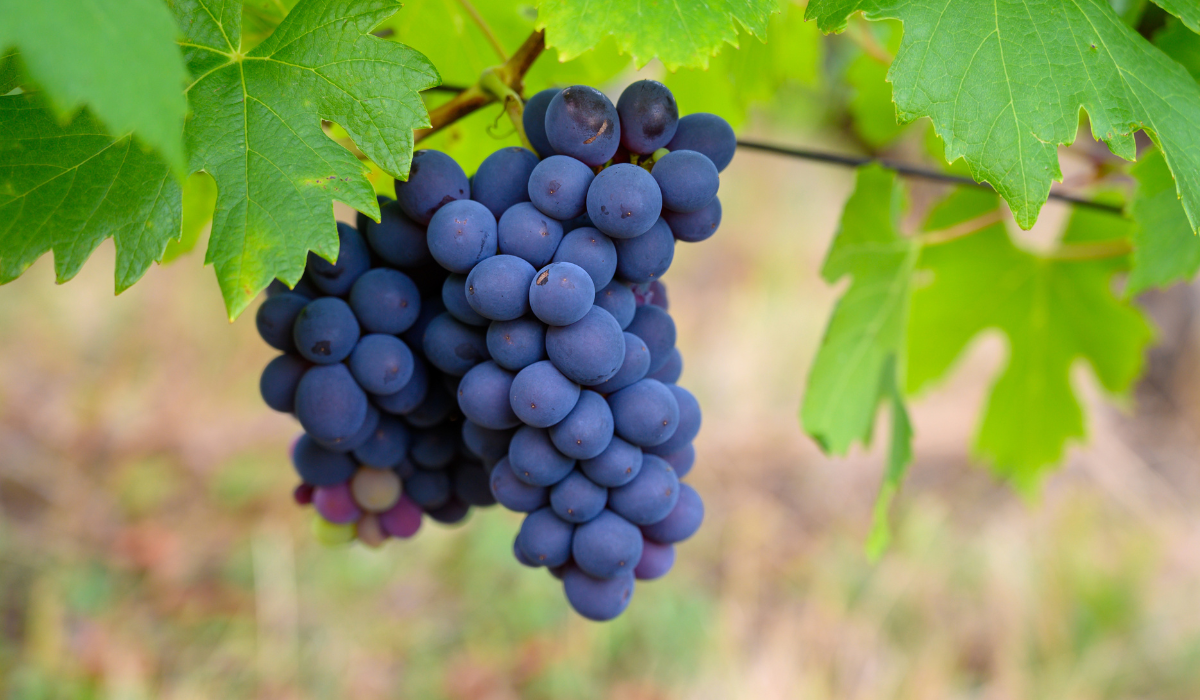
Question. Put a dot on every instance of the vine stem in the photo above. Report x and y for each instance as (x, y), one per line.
(510, 74)
(910, 171)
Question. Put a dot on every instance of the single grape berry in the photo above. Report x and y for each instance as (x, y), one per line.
(586, 430)
(695, 226)
(707, 134)
(279, 381)
(591, 250)
(454, 347)
(329, 403)
(657, 329)
(541, 396)
(681, 461)
(326, 331)
(514, 494)
(498, 288)
(412, 395)
(483, 396)
(387, 446)
(648, 115)
(502, 178)
(671, 370)
(561, 293)
(657, 559)
(689, 422)
(645, 413)
(276, 317)
(534, 459)
(688, 180)
(682, 522)
(534, 120)
(516, 344)
(385, 301)
(529, 234)
(576, 499)
(558, 187)
(651, 495)
(617, 299)
(545, 538)
(633, 368)
(454, 296)
(647, 257)
(597, 599)
(319, 466)
(617, 465)
(582, 122)
(624, 201)
(589, 351)
(397, 239)
(381, 364)
(434, 180)
(607, 546)
(461, 234)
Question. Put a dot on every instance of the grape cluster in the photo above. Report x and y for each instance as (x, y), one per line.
(515, 344)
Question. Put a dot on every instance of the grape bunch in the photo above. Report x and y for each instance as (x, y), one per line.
(515, 345)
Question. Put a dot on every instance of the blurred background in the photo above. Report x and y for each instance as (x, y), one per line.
(149, 546)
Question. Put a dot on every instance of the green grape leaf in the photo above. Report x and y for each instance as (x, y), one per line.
(679, 35)
(865, 335)
(10, 71)
(117, 57)
(67, 187)
(900, 455)
(1053, 310)
(1164, 248)
(255, 127)
(1004, 85)
(753, 73)
(1186, 10)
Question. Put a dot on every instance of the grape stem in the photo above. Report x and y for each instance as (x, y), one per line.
(483, 27)
(910, 171)
(513, 104)
(510, 74)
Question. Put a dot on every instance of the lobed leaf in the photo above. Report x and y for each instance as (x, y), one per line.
(1186, 10)
(1054, 311)
(68, 187)
(678, 34)
(1004, 82)
(116, 57)
(255, 128)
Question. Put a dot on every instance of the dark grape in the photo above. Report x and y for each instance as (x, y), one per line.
(279, 381)
(412, 395)
(471, 484)
(454, 296)
(650, 496)
(586, 430)
(558, 187)
(529, 234)
(403, 519)
(518, 343)
(434, 448)
(514, 494)
(461, 234)
(576, 499)
(405, 469)
(645, 412)
(671, 370)
(397, 239)
(689, 422)
(454, 347)
(439, 404)
(656, 294)
(483, 396)
(275, 318)
(353, 259)
(561, 293)
(657, 329)
(683, 520)
(381, 364)
(681, 460)
(329, 403)
(541, 396)
(385, 301)
(617, 299)
(387, 446)
(521, 557)
(545, 538)
(578, 222)
(633, 368)
(649, 116)
(534, 121)
(624, 201)
(486, 444)
(303, 494)
(648, 256)
(582, 122)
(375, 490)
(695, 226)
(336, 504)
(708, 134)
(606, 547)
(597, 599)
(501, 179)
(688, 180)
(362, 221)
(360, 436)
(617, 465)
(428, 489)
(319, 466)
(534, 459)
(589, 351)
(591, 250)
(326, 331)
(657, 559)
(498, 288)
(434, 180)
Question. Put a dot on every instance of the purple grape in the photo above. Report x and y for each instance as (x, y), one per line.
(649, 116)
(650, 496)
(381, 364)
(708, 134)
(617, 465)
(276, 317)
(624, 201)
(695, 226)
(461, 234)
(645, 413)
(336, 504)
(561, 293)
(514, 494)
(633, 368)
(541, 396)
(501, 179)
(617, 299)
(279, 381)
(516, 344)
(576, 499)
(483, 396)
(597, 599)
(353, 259)
(607, 546)
(657, 559)
(545, 539)
(654, 326)
(326, 331)
(498, 288)
(589, 351)
(688, 180)
(534, 120)
(647, 257)
(591, 250)
(385, 301)
(319, 466)
(582, 122)
(534, 459)
(689, 422)
(586, 430)
(387, 446)
(329, 403)
(558, 187)
(434, 180)
(683, 520)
